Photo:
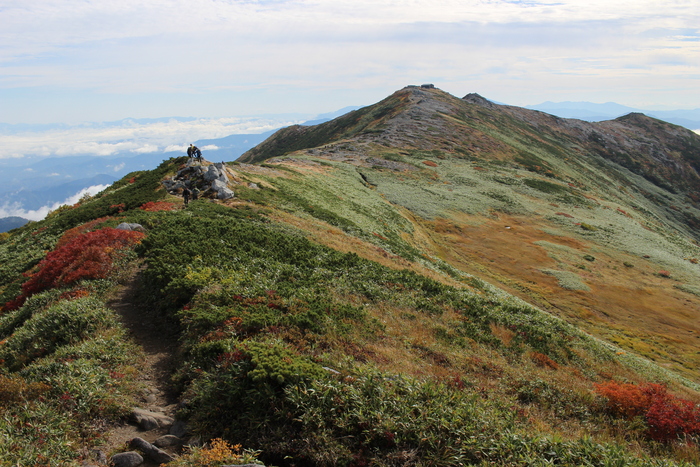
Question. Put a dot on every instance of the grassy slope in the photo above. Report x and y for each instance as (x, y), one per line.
(428, 365)
(564, 201)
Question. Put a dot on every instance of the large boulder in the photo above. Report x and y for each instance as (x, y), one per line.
(216, 172)
(225, 193)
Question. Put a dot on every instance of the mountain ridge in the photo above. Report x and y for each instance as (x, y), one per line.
(426, 281)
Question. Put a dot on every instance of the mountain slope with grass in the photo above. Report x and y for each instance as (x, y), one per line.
(427, 281)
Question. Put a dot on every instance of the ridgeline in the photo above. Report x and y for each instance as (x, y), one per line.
(425, 281)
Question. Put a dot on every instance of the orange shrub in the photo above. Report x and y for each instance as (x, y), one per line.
(543, 360)
(153, 206)
(667, 417)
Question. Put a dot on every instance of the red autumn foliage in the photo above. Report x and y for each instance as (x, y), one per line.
(119, 207)
(564, 214)
(86, 256)
(666, 415)
(73, 294)
(430, 163)
(70, 234)
(543, 360)
(153, 206)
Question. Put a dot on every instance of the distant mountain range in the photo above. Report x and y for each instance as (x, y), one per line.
(9, 223)
(591, 112)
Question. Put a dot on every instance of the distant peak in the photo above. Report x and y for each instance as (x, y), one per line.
(633, 117)
(422, 86)
(475, 98)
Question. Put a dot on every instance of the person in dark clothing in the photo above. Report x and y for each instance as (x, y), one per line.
(195, 193)
(186, 195)
(190, 151)
(197, 153)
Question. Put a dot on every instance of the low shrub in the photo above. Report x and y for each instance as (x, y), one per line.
(15, 389)
(668, 417)
(156, 206)
(216, 453)
(83, 256)
(64, 323)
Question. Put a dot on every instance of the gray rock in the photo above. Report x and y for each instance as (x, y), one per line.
(150, 451)
(254, 186)
(148, 420)
(167, 440)
(217, 185)
(179, 429)
(128, 226)
(127, 459)
(211, 174)
(225, 193)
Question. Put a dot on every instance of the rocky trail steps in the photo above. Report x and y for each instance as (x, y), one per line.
(152, 435)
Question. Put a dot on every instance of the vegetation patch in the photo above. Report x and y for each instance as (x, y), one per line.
(545, 186)
(568, 280)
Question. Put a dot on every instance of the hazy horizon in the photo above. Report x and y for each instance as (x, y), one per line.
(71, 61)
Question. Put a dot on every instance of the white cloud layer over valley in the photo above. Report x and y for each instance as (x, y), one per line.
(15, 209)
(126, 136)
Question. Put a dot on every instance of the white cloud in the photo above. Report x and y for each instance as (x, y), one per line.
(15, 209)
(119, 167)
(209, 55)
(145, 149)
(176, 148)
(130, 136)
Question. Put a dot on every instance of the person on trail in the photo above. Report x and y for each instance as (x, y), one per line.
(195, 193)
(186, 195)
(190, 151)
(197, 153)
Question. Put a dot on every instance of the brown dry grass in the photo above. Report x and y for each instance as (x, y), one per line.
(633, 307)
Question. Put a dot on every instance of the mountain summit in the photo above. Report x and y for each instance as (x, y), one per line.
(576, 217)
(474, 128)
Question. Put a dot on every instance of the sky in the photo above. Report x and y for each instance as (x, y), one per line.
(72, 61)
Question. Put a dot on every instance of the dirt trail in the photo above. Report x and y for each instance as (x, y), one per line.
(158, 339)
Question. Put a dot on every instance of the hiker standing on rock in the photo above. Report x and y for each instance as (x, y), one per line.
(197, 153)
(190, 151)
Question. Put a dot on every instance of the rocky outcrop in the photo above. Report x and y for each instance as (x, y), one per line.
(212, 180)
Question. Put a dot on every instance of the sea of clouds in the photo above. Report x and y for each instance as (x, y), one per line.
(129, 135)
(14, 209)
